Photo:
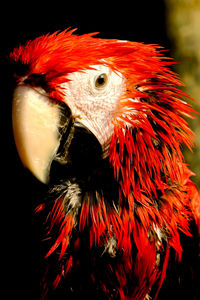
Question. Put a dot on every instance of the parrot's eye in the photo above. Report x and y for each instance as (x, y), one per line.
(101, 81)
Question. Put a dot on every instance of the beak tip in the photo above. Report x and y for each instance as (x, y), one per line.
(44, 178)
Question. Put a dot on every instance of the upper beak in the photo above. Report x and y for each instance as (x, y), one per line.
(36, 122)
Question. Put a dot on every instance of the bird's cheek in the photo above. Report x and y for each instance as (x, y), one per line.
(35, 127)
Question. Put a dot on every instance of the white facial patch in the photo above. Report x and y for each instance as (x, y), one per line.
(93, 96)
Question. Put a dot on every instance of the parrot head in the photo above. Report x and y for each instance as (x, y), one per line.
(101, 120)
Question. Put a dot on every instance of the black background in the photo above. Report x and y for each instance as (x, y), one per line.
(142, 21)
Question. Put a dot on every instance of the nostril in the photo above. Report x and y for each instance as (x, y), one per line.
(37, 80)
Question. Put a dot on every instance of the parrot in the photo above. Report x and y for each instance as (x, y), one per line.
(102, 123)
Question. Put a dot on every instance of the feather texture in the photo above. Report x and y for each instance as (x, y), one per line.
(132, 219)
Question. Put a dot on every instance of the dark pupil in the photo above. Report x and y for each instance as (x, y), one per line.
(100, 80)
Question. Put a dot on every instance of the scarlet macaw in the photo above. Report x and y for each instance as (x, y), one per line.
(101, 122)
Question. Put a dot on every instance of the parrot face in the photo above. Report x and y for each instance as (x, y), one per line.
(92, 97)
(100, 121)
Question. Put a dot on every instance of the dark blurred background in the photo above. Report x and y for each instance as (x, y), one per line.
(174, 24)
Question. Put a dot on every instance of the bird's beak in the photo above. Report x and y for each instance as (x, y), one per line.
(36, 129)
